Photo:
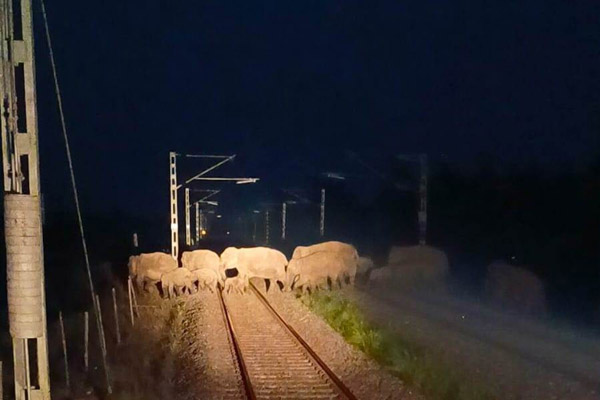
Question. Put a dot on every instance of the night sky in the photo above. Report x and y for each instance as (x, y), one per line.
(278, 82)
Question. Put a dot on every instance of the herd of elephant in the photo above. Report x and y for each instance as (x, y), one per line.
(324, 265)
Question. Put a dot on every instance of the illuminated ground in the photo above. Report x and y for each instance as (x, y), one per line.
(210, 372)
(515, 356)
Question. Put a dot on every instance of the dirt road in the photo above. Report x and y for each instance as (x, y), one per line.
(517, 357)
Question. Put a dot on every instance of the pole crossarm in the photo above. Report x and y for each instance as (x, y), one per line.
(210, 203)
(211, 194)
(240, 180)
(203, 156)
(206, 171)
(203, 200)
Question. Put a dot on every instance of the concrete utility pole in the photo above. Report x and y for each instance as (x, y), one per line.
(283, 219)
(322, 219)
(267, 228)
(22, 206)
(423, 200)
(188, 228)
(197, 222)
(173, 195)
(203, 224)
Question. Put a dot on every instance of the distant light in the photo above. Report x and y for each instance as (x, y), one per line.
(203, 232)
(219, 216)
(256, 211)
(228, 232)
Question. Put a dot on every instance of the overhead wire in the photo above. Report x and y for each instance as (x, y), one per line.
(75, 193)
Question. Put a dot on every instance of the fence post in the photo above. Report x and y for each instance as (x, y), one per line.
(130, 296)
(114, 297)
(136, 309)
(64, 346)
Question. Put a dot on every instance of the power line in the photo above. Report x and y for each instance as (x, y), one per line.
(75, 193)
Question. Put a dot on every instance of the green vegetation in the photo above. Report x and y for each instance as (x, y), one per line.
(411, 363)
(146, 365)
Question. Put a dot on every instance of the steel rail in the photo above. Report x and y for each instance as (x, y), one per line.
(238, 352)
(330, 374)
(294, 335)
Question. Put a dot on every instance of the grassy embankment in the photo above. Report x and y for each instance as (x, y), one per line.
(145, 366)
(413, 364)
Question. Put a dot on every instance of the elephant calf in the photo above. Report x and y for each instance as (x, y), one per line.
(206, 278)
(177, 282)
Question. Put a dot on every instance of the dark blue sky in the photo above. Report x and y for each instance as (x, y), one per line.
(278, 81)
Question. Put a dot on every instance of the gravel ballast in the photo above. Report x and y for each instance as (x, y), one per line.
(363, 376)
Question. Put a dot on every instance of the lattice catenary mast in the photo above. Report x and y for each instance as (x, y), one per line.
(22, 210)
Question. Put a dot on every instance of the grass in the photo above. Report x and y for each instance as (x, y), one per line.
(146, 365)
(411, 363)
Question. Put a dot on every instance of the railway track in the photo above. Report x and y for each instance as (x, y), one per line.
(274, 361)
